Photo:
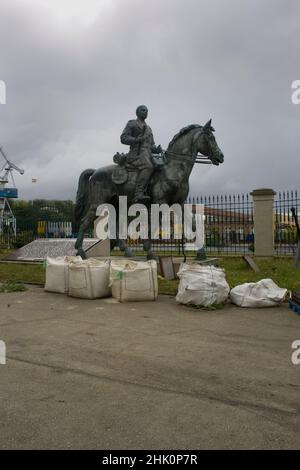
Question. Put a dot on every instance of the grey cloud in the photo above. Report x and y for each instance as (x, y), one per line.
(71, 90)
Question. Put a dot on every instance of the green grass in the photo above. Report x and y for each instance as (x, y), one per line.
(11, 286)
(237, 272)
(4, 252)
(208, 308)
(167, 287)
(21, 272)
(281, 270)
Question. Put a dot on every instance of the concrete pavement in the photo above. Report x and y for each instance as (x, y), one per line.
(99, 374)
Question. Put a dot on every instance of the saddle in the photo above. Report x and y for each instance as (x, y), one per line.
(120, 172)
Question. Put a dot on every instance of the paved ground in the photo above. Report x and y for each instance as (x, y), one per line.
(97, 374)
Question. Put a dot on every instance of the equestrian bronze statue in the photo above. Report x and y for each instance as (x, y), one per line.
(146, 174)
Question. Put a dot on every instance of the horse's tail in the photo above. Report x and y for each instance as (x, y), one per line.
(82, 196)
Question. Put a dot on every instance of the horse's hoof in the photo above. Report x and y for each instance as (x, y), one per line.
(201, 254)
(151, 256)
(81, 253)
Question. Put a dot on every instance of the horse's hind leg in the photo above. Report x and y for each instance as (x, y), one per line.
(84, 225)
(147, 243)
(123, 246)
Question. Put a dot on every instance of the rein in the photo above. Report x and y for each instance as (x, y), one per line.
(195, 158)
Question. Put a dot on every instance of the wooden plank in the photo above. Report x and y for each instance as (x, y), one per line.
(297, 256)
(296, 297)
(250, 261)
(167, 267)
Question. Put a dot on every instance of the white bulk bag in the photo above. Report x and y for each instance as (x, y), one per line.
(57, 273)
(264, 293)
(89, 279)
(201, 285)
(133, 281)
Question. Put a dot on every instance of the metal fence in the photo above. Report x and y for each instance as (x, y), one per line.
(228, 227)
(228, 223)
(39, 218)
(285, 236)
(27, 232)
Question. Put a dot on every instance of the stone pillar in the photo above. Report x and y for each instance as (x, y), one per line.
(263, 221)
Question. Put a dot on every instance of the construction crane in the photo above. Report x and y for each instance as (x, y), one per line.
(7, 218)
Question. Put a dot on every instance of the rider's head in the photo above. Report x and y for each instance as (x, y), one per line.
(142, 112)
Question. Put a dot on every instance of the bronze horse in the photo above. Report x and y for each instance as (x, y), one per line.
(168, 185)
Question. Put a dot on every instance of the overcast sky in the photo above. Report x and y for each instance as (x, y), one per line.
(75, 71)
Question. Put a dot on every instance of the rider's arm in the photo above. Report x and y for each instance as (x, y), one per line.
(127, 137)
(155, 148)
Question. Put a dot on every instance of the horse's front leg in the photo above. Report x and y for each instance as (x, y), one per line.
(120, 242)
(147, 244)
(85, 224)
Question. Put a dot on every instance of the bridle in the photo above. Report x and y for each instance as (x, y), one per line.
(195, 158)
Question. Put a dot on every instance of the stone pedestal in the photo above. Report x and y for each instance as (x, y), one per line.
(99, 249)
(102, 248)
(40, 249)
(263, 200)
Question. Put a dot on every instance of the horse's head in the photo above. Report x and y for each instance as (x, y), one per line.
(207, 145)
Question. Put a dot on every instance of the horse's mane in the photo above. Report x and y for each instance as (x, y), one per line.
(182, 132)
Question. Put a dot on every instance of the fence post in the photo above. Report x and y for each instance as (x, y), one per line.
(263, 200)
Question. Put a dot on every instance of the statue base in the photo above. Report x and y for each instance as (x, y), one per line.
(40, 249)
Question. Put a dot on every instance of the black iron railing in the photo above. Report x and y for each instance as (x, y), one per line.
(228, 224)
(229, 227)
(285, 231)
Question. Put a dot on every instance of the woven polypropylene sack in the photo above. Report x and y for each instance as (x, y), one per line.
(201, 285)
(57, 273)
(134, 281)
(89, 279)
(264, 293)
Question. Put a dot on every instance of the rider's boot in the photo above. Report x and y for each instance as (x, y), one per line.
(140, 195)
(141, 185)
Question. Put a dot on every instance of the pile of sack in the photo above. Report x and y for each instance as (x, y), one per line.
(124, 280)
(201, 285)
(207, 285)
(132, 281)
(264, 293)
